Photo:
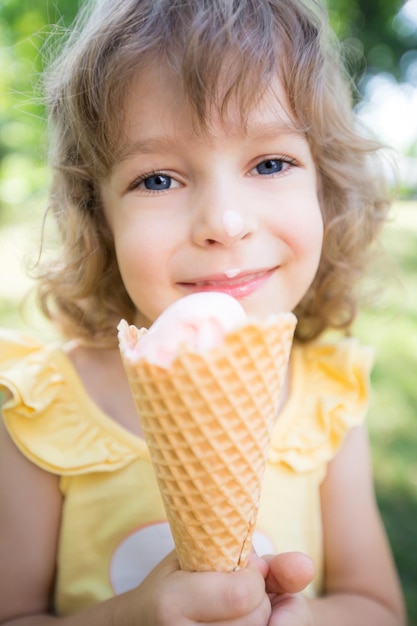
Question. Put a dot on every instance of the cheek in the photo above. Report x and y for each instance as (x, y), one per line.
(137, 253)
(300, 226)
(146, 250)
(308, 238)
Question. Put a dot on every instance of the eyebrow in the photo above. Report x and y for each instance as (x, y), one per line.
(145, 146)
(272, 129)
(151, 145)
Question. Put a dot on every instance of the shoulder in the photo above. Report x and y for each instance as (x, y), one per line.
(329, 395)
(49, 415)
(335, 375)
(15, 345)
(30, 372)
(344, 363)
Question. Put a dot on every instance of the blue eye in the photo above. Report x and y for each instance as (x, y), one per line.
(157, 182)
(270, 166)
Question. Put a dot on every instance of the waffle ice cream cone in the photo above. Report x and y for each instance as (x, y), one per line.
(207, 420)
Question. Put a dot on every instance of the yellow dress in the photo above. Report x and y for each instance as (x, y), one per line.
(114, 528)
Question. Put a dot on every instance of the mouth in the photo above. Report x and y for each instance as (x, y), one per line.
(238, 286)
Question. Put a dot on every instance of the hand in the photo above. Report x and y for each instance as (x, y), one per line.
(171, 597)
(289, 573)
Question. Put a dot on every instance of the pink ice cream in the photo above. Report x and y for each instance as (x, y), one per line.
(197, 322)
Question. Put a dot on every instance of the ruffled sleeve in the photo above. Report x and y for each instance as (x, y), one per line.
(50, 416)
(330, 395)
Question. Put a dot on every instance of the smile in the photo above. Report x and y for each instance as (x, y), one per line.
(240, 287)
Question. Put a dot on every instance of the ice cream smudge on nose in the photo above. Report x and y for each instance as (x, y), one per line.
(232, 222)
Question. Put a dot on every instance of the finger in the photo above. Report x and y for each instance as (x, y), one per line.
(217, 596)
(290, 610)
(290, 572)
(260, 563)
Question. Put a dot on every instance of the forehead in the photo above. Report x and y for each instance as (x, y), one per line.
(158, 100)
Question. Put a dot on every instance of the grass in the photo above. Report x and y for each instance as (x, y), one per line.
(392, 329)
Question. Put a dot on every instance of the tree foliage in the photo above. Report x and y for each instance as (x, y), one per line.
(25, 28)
(377, 36)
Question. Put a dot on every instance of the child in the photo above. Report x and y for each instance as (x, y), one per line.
(197, 145)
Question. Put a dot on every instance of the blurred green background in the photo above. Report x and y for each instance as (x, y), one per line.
(379, 43)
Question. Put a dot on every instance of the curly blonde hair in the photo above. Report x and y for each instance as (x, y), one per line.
(87, 85)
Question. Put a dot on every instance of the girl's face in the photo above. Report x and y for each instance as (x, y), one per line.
(234, 209)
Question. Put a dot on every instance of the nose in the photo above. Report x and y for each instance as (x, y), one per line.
(217, 223)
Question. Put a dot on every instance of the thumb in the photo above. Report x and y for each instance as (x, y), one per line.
(289, 572)
(259, 563)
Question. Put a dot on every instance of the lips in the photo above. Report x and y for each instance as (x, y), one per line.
(241, 286)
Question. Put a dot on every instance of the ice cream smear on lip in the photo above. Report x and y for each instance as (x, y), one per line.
(232, 273)
(198, 322)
